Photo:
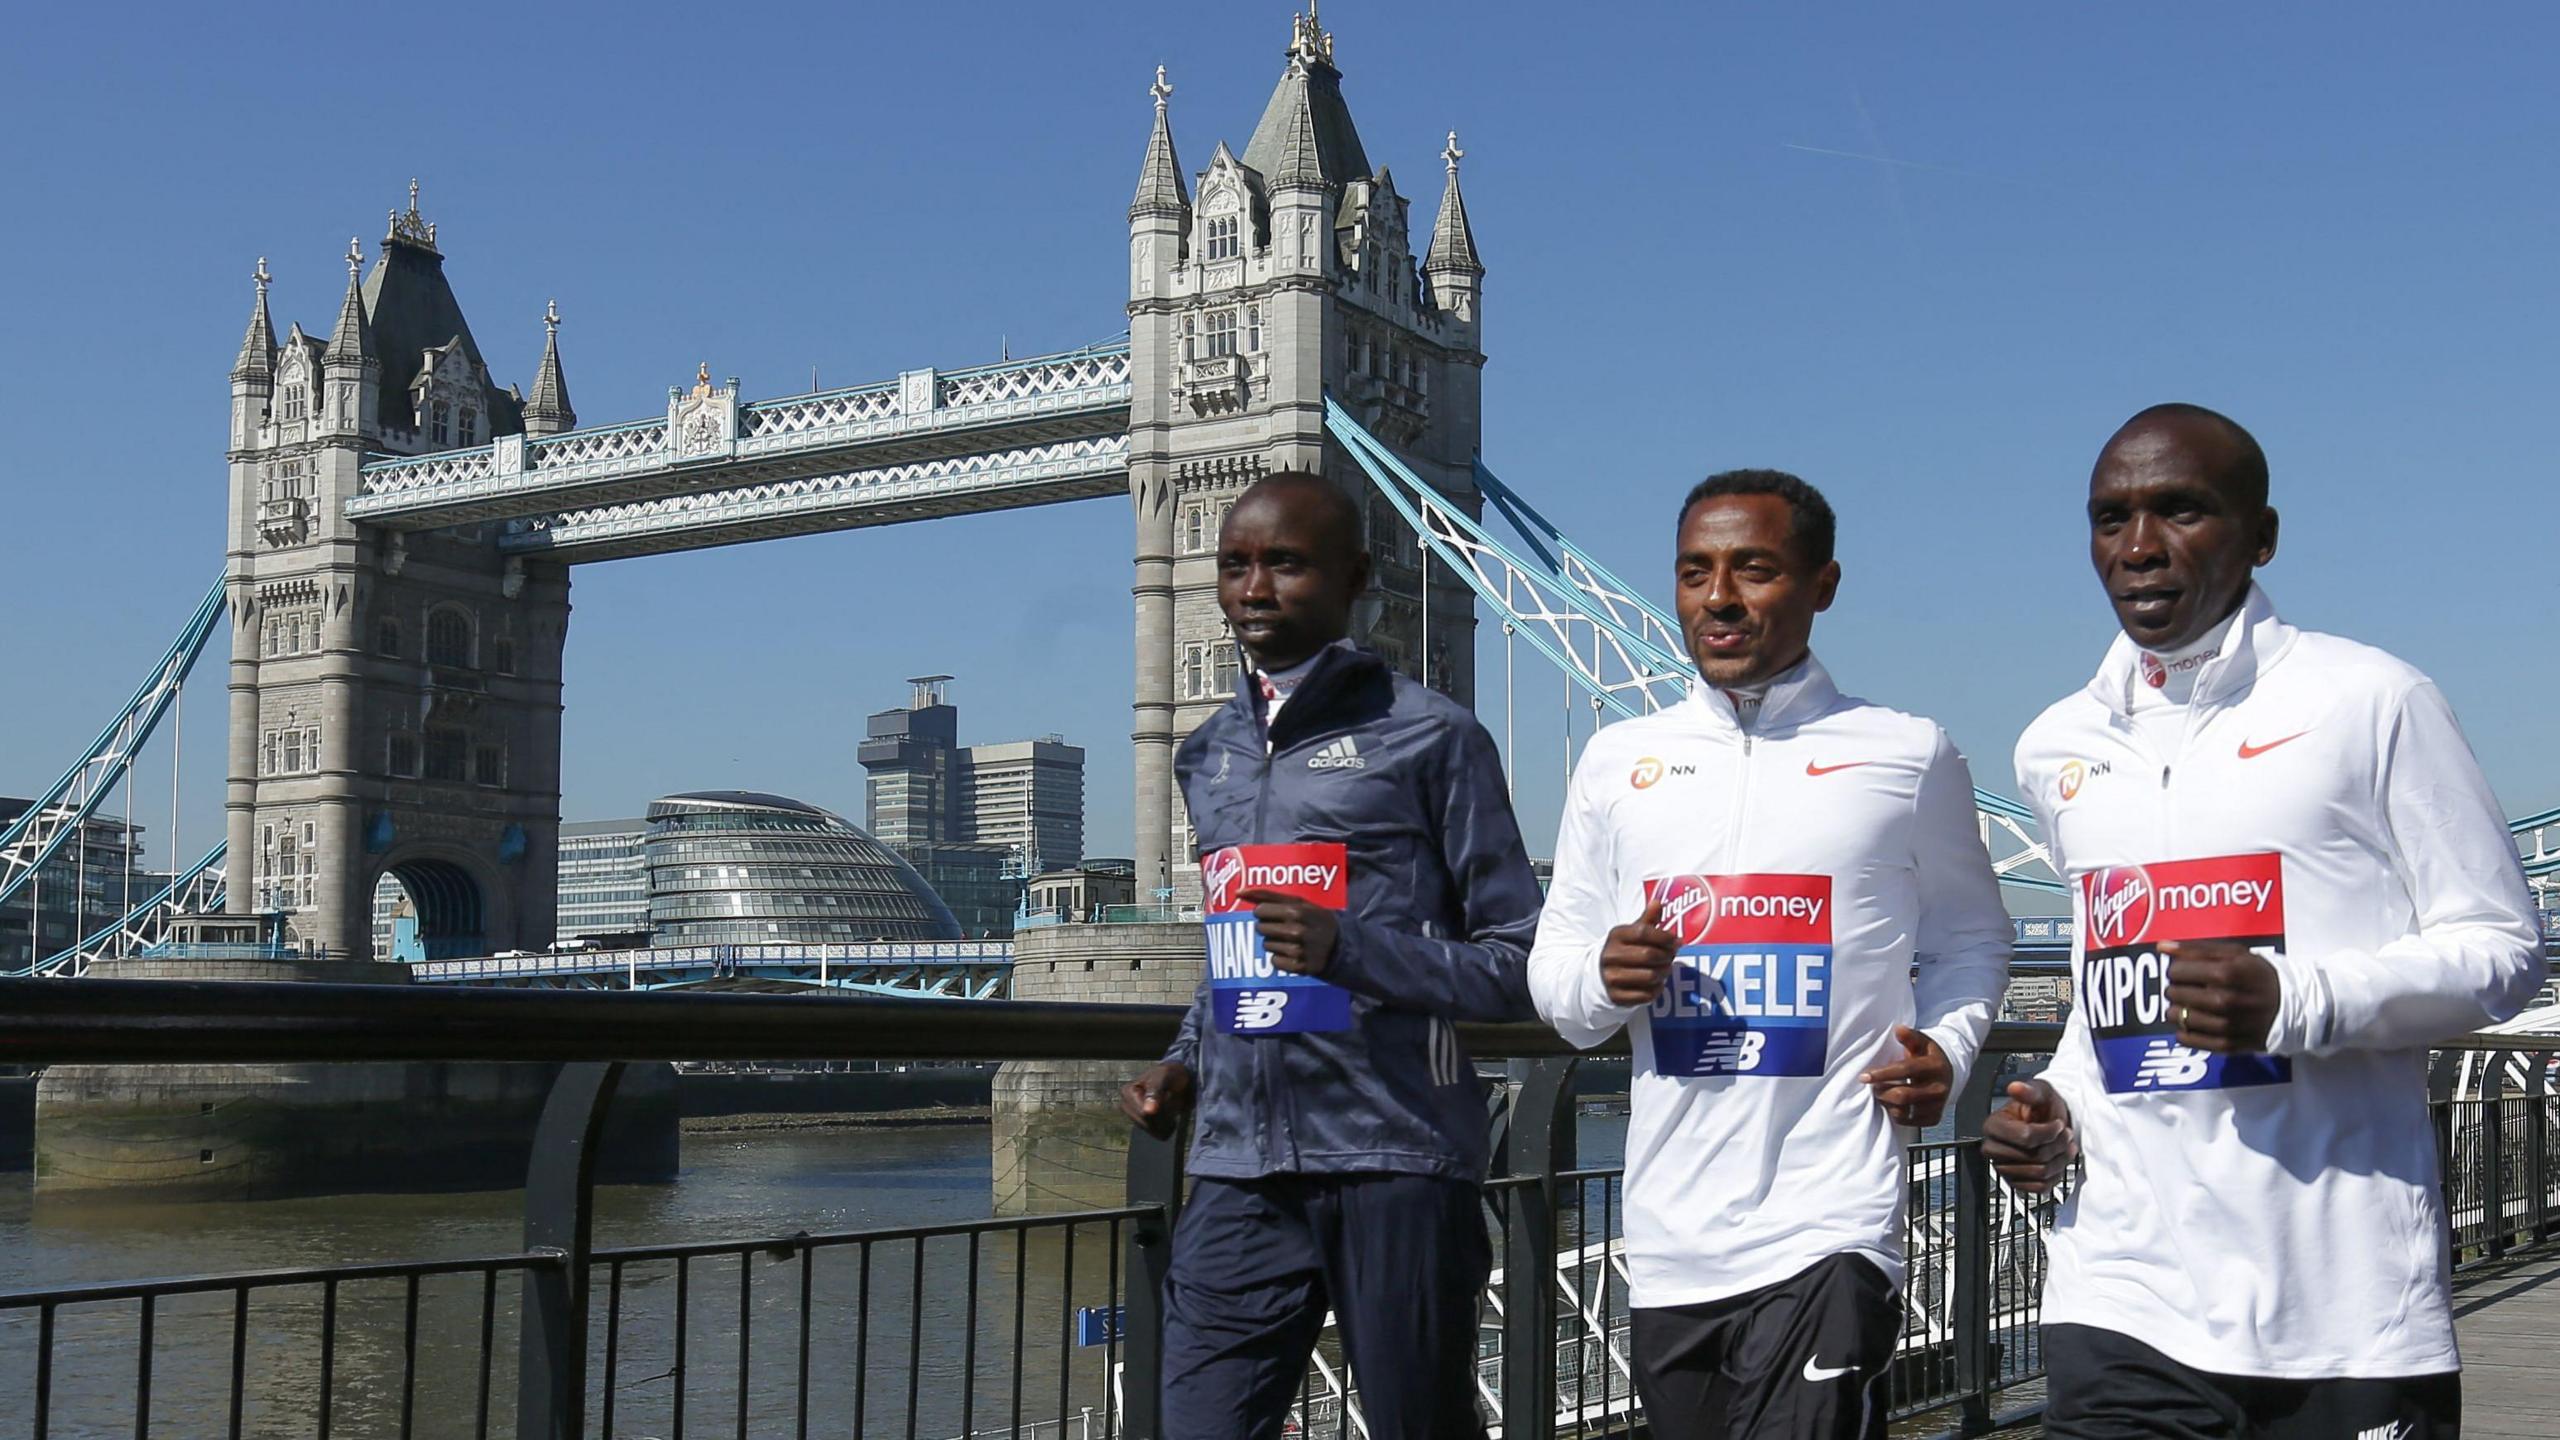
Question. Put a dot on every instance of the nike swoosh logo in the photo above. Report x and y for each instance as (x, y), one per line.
(2252, 752)
(1815, 1373)
(1818, 771)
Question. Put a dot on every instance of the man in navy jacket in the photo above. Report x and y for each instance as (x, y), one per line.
(1366, 886)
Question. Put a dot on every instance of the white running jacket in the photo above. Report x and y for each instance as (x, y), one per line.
(2273, 1215)
(1809, 863)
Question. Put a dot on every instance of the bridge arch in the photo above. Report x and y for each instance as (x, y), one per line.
(452, 907)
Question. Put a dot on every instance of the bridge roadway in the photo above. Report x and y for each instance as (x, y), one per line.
(716, 470)
(931, 969)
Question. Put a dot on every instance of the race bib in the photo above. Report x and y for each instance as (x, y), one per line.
(2125, 912)
(1750, 988)
(1248, 995)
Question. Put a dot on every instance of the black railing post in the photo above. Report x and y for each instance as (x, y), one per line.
(559, 1218)
(2493, 1151)
(1540, 1142)
(2537, 1142)
(1155, 1178)
(2443, 1073)
(1977, 1370)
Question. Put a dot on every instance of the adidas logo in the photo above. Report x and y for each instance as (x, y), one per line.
(1340, 755)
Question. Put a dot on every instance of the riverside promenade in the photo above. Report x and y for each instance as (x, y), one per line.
(1041, 1326)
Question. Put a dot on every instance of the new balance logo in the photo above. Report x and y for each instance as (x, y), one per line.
(1260, 1009)
(2166, 1063)
(1342, 754)
(2396, 1430)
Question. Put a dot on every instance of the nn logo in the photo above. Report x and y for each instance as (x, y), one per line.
(2119, 905)
(1650, 772)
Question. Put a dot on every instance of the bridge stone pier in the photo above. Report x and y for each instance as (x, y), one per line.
(1057, 1136)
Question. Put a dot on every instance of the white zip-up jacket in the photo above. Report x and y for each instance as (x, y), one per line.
(1810, 863)
(2272, 1216)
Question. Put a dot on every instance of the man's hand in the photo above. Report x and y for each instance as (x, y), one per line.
(1154, 1102)
(1635, 960)
(2223, 997)
(1913, 1090)
(2030, 1140)
(1297, 934)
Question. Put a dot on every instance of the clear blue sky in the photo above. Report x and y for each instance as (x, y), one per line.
(1927, 256)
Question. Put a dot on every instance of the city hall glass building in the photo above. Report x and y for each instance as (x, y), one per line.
(740, 867)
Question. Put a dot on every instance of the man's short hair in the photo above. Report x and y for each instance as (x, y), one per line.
(2246, 473)
(1812, 528)
(1339, 514)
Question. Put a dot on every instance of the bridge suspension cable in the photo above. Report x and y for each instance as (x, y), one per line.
(39, 833)
(198, 890)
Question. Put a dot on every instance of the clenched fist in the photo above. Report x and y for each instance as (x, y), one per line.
(1155, 1101)
(1635, 961)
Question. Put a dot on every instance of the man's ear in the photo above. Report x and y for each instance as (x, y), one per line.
(2267, 525)
(1826, 585)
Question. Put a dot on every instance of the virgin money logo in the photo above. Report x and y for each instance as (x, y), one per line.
(1221, 878)
(1688, 907)
(2119, 905)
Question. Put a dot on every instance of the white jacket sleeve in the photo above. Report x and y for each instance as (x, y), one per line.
(2475, 957)
(1582, 906)
(1960, 951)
(2073, 1071)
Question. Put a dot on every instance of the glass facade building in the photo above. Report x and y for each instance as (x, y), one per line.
(913, 756)
(86, 887)
(981, 883)
(741, 867)
(1027, 795)
(604, 879)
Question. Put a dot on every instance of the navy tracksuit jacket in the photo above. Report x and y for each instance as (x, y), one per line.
(1342, 1168)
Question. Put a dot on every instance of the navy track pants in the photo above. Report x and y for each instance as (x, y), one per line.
(1400, 1259)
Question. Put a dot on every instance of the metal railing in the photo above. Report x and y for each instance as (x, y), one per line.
(1018, 1327)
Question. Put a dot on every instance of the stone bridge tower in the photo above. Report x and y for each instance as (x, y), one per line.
(1289, 272)
(395, 700)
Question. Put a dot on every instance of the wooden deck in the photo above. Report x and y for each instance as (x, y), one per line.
(2508, 1316)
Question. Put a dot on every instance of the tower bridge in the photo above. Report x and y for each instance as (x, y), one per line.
(402, 528)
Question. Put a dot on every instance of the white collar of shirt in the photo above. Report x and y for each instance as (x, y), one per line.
(1797, 693)
(2255, 640)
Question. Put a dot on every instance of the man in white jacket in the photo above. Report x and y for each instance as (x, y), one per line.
(2290, 878)
(1749, 880)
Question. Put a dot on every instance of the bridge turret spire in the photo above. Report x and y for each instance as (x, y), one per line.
(352, 342)
(1306, 137)
(547, 411)
(1453, 240)
(1160, 187)
(353, 362)
(257, 360)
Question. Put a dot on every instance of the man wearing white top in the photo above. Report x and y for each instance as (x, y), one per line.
(2290, 879)
(1750, 880)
